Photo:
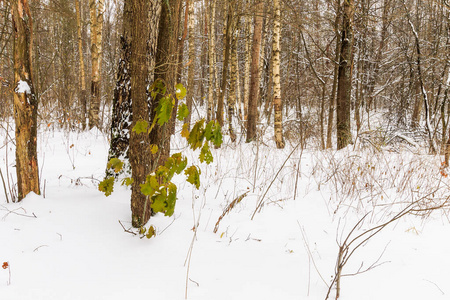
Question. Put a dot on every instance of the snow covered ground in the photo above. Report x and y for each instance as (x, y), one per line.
(68, 243)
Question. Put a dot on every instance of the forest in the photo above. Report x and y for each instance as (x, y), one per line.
(224, 149)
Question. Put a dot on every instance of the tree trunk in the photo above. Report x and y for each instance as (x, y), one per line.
(83, 95)
(122, 112)
(211, 58)
(192, 59)
(344, 89)
(25, 102)
(278, 119)
(96, 16)
(254, 82)
(140, 155)
(166, 67)
(234, 32)
(226, 61)
(248, 43)
(335, 79)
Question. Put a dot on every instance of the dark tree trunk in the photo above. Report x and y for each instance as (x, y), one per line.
(122, 114)
(140, 156)
(25, 102)
(344, 90)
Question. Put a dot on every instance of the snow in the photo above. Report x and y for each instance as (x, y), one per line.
(23, 87)
(70, 244)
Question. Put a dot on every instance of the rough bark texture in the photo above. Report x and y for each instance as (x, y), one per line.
(140, 156)
(25, 102)
(83, 94)
(166, 67)
(211, 58)
(248, 45)
(234, 32)
(254, 83)
(226, 61)
(121, 117)
(278, 119)
(96, 19)
(331, 107)
(344, 90)
(192, 60)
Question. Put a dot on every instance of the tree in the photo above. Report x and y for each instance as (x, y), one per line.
(344, 89)
(192, 60)
(122, 114)
(212, 60)
(144, 32)
(278, 119)
(25, 102)
(96, 19)
(83, 95)
(254, 70)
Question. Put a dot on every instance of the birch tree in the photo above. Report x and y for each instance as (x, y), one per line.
(278, 119)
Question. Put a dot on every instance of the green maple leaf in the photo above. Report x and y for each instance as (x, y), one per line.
(193, 176)
(182, 112)
(164, 110)
(180, 92)
(197, 135)
(127, 181)
(116, 164)
(205, 154)
(106, 186)
(140, 127)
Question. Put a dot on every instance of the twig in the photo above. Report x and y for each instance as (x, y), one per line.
(37, 248)
(126, 230)
(258, 207)
(4, 186)
(16, 213)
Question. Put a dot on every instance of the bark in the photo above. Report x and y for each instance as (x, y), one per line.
(254, 82)
(83, 94)
(25, 102)
(277, 104)
(96, 20)
(122, 114)
(166, 67)
(248, 44)
(335, 80)
(192, 60)
(211, 58)
(344, 89)
(234, 32)
(143, 47)
(226, 61)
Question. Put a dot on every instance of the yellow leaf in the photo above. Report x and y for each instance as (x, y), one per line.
(154, 148)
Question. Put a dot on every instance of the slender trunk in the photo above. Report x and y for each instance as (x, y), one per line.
(192, 59)
(83, 93)
(211, 55)
(96, 19)
(226, 61)
(335, 79)
(278, 119)
(344, 90)
(25, 102)
(234, 31)
(248, 25)
(254, 83)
